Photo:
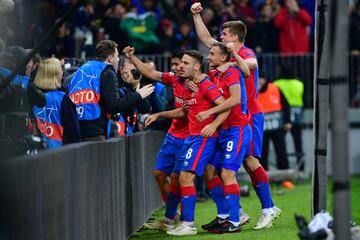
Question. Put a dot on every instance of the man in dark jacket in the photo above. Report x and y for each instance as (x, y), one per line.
(95, 91)
(129, 81)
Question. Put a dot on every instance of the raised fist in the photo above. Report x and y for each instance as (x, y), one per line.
(129, 51)
(196, 8)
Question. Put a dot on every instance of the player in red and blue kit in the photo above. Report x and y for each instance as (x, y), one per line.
(234, 139)
(174, 140)
(201, 142)
(234, 32)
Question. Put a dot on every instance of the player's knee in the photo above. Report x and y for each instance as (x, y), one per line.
(174, 179)
(251, 163)
(186, 178)
(209, 173)
(228, 176)
(159, 176)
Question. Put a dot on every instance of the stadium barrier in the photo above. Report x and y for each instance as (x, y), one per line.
(303, 65)
(97, 190)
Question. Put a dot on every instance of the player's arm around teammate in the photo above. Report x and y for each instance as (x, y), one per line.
(175, 113)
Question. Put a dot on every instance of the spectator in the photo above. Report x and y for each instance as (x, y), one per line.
(158, 99)
(166, 36)
(127, 122)
(80, 28)
(57, 120)
(95, 91)
(102, 8)
(64, 43)
(141, 31)
(265, 35)
(219, 8)
(293, 90)
(149, 6)
(277, 121)
(247, 13)
(185, 38)
(112, 26)
(293, 23)
(33, 63)
(355, 30)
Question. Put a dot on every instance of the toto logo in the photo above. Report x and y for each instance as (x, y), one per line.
(47, 130)
(85, 96)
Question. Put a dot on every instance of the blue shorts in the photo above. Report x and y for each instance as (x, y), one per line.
(257, 127)
(234, 142)
(180, 160)
(217, 158)
(168, 153)
(198, 152)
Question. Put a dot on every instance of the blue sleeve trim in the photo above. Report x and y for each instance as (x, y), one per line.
(237, 83)
(216, 98)
(211, 87)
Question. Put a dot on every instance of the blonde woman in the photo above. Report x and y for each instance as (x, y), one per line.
(57, 120)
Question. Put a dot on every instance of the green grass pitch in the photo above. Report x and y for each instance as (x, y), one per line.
(296, 200)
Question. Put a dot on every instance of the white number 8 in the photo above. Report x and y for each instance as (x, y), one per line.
(189, 152)
(229, 146)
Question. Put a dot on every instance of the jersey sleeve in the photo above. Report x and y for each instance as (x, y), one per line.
(232, 77)
(168, 78)
(210, 90)
(246, 53)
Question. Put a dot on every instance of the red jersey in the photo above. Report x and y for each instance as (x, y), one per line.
(180, 126)
(252, 82)
(238, 113)
(204, 100)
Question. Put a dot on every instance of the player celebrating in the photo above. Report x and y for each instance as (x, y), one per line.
(201, 142)
(235, 32)
(174, 140)
(234, 139)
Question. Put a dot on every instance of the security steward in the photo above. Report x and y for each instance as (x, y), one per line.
(95, 91)
(276, 122)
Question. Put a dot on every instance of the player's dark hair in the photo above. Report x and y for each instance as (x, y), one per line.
(223, 49)
(236, 28)
(105, 48)
(178, 54)
(195, 55)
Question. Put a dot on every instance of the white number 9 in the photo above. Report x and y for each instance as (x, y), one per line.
(229, 146)
(80, 111)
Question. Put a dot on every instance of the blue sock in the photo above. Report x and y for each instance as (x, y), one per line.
(173, 201)
(261, 184)
(232, 199)
(188, 202)
(263, 192)
(216, 189)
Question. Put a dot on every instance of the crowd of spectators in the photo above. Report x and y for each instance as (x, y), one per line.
(157, 27)
(160, 26)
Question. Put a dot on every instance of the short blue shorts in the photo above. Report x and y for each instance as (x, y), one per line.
(168, 153)
(257, 128)
(234, 141)
(198, 152)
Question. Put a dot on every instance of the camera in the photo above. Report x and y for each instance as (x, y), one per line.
(136, 74)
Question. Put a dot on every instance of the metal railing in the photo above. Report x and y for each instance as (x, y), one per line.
(303, 66)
